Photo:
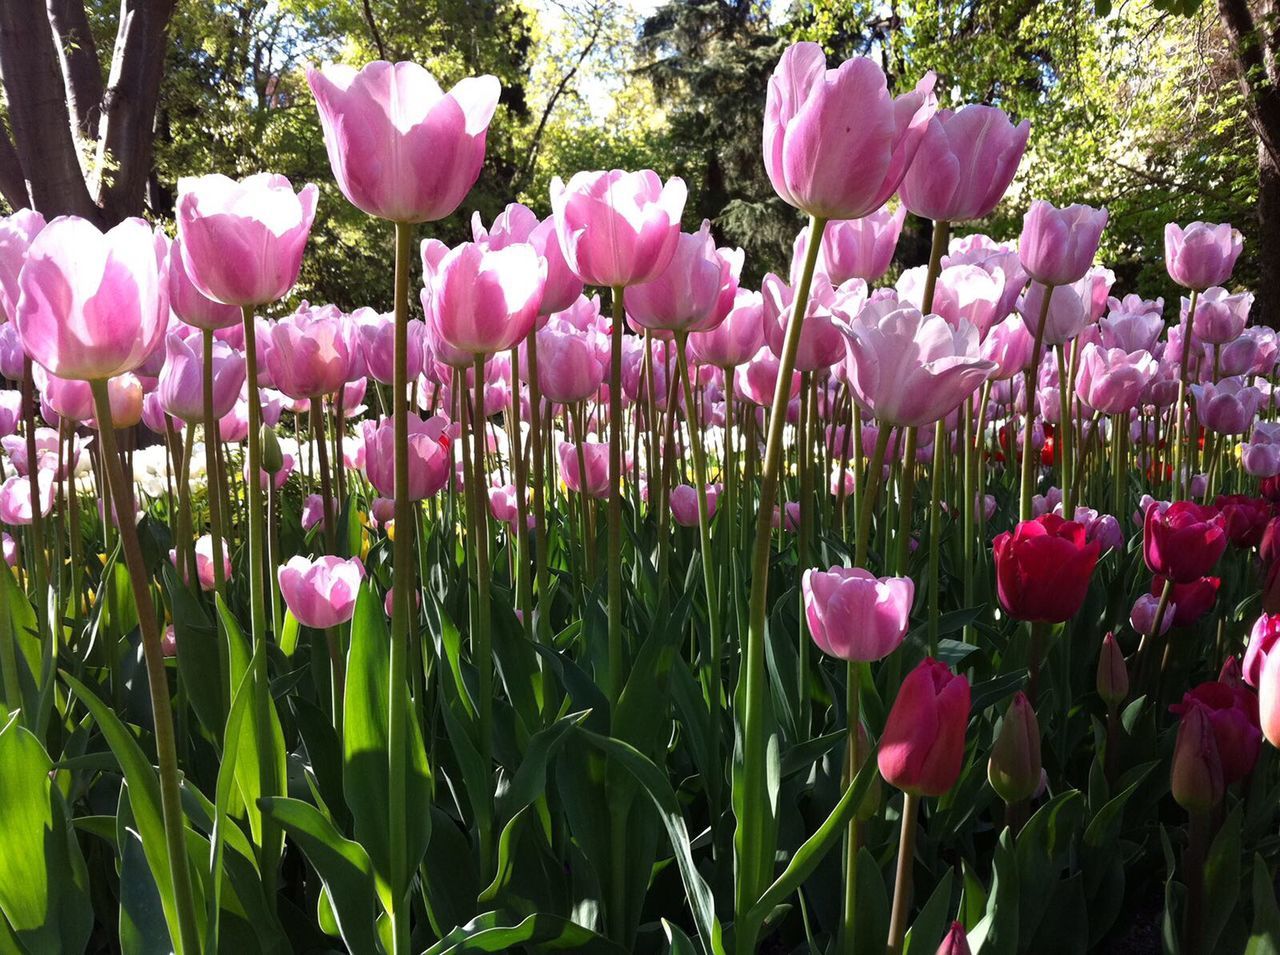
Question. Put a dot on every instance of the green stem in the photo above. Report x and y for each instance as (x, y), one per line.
(1029, 419)
(157, 679)
(853, 698)
(940, 437)
(1182, 482)
(539, 481)
(481, 638)
(902, 881)
(752, 842)
(616, 674)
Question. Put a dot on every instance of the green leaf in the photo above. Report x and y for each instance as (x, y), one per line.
(1221, 879)
(43, 883)
(1105, 825)
(997, 933)
(654, 782)
(530, 780)
(1265, 937)
(342, 865)
(199, 664)
(492, 932)
(143, 927)
(926, 933)
(289, 633)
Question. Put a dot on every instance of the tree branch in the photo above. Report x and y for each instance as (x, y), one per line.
(38, 115)
(373, 29)
(78, 56)
(13, 186)
(126, 135)
(1262, 98)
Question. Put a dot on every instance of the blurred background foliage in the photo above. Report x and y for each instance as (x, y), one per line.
(1138, 110)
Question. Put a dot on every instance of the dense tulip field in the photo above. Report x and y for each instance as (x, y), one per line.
(605, 604)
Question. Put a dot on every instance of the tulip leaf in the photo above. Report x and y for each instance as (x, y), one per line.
(654, 782)
(1265, 937)
(199, 665)
(1222, 879)
(43, 882)
(927, 931)
(492, 932)
(342, 865)
(997, 933)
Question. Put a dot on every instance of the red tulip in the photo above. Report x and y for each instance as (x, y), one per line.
(1190, 601)
(1246, 518)
(922, 749)
(1233, 716)
(1183, 540)
(1043, 569)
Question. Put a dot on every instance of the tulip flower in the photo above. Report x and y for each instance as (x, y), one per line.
(482, 301)
(1182, 541)
(1058, 245)
(922, 748)
(310, 354)
(1269, 699)
(1233, 717)
(429, 459)
(1111, 380)
(571, 364)
(821, 335)
(1245, 518)
(909, 369)
(17, 231)
(853, 615)
(1190, 601)
(683, 500)
(965, 162)
(400, 147)
(694, 292)
(1142, 616)
(1202, 254)
(836, 144)
(1220, 317)
(204, 561)
(1131, 331)
(1262, 640)
(181, 385)
(15, 498)
(1014, 767)
(1008, 346)
(595, 457)
(1043, 569)
(190, 304)
(518, 225)
(1228, 406)
(956, 941)
(93, 304)
(1197, 779)
(617, 228)
(853, 248)
(1112, 680)
(376, 337)
(242, 242)
(321, 593)
(962, 293)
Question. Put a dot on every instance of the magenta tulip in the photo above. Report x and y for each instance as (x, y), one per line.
(922, 748)
(400, 147)
(242, 242)
(836, 144)
(1182, 541)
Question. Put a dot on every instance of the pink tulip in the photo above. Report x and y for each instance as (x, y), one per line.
(310, 354)
(428, 456)
(321, 593)
(821, 336)
(965, 163)
(1131, 331)
(1269, 699)
(12, 357)
(922, 748)
(836, 144)
(966, 293)
(910, 369)
(242, 242)
(482, 301)
(10, 412)
(10, 549)
(693, 293)
(93, 304)
(854, 248)
(956, 941)
(15, 498)
(204, 561)
(400, 147)
(1220, 317)
(17, 232)
(1252, 352)
(376, 336)
(617, 228)
(190, 304)
(1110, 380)
(596, 459)
(1058, 245)
(266, 479)
(684, 503)
(853, 615)
(517, 224)
(503, 505)
(124, 397)
(1228, 406)
(571, 363)
(181, 387)
(737, 338)
(1202, 254)
(756, 380)
(1008, 346)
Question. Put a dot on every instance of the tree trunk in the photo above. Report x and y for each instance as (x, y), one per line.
(1266, 307)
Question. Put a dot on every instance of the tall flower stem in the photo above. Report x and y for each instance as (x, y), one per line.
(616, 675)
(1181, 481)
(481, 638)
(520, 534)
(402, 603)
(752, 841)
(1029, 419)
(902, 880)
(539, 479)
(157, 680)
(853, 842)
(940, 438)
(1066, 460)
(36, 554)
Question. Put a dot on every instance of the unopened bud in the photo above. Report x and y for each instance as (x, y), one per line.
(1113, 675)
(1014, 767)
(272, 457)
(1197, 779)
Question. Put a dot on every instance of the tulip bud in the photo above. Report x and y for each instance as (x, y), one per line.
(1113, 675)
(272, 457)
(1197, 779)
(956, 942)
(1014, 767)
